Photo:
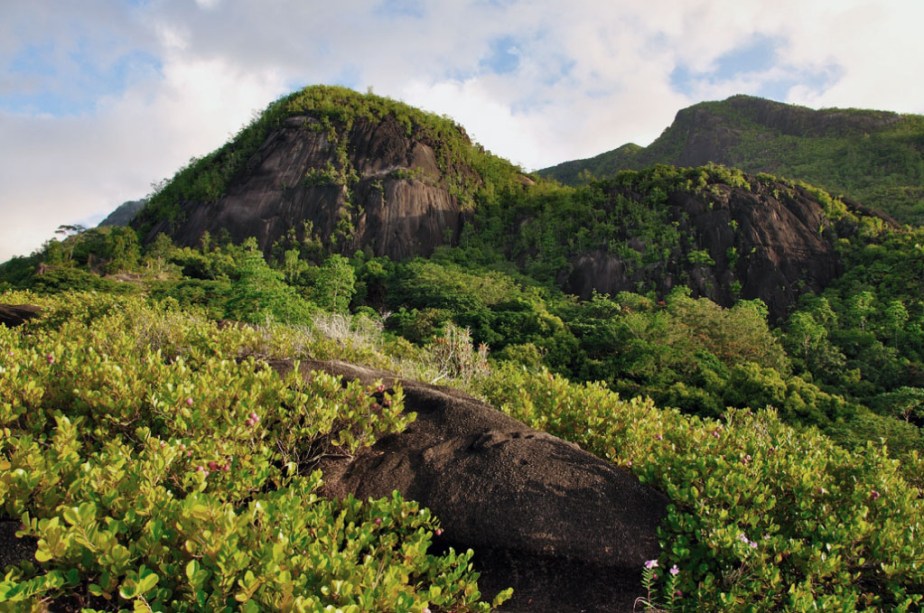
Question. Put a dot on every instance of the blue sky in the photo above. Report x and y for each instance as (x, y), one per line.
(100, 99)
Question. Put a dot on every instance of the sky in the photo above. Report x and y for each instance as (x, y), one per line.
(100, 100)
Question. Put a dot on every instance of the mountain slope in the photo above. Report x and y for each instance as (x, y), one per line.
(327, 164)
(346, 172)
(123, 214)
(875, 157)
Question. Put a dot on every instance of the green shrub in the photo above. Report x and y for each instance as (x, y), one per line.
(158, 465)
(762, 516)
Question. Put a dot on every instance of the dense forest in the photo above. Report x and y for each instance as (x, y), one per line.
(784, 422)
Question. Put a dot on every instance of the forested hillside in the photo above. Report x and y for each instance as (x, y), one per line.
(750, 345)
(873, 157)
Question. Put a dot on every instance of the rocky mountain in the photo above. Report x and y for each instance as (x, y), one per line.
(875, 157)
(124, 213)
(350, 172)
(327, 164)
(747, 238)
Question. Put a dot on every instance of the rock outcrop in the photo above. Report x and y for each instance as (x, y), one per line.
(768, 241)
(867, 155)
(12, 315)
(567, 530)
(389, 196)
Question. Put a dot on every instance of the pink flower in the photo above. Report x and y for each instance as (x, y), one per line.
(50, 358)
(659, 437)
(716, 433)
(651, 564)
(674, 570)
(377, 521)
(189, 402)
(874, 494)
(438, 532)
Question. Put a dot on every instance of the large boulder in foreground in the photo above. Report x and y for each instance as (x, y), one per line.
(12, 315)
(565, 529)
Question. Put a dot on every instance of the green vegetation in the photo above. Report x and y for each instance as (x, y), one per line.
(469, 172)
(157, 462)
(762, 516)
(790, 446)
(874, 157)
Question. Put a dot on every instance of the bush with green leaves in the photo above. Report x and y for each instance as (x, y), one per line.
(762, 516)
(160, 467)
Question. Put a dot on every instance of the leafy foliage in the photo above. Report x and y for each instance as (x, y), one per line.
(155, 465)
(762, 516)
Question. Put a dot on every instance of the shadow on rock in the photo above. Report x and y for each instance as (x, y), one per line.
(567, 530)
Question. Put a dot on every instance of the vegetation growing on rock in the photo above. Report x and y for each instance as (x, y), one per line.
(752, 346)
(874, 157)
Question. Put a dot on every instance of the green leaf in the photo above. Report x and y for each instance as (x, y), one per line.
(192, 569)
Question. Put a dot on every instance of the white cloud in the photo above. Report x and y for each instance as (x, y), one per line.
(590, 76)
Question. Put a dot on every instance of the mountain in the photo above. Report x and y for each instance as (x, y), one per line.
(351, 171)
(616, 314)
(875, 157)
(728, 236)
(124, 213)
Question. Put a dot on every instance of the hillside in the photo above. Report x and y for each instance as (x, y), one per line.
(326, 164)
(874, 157)
(282, 385)
(327, 170)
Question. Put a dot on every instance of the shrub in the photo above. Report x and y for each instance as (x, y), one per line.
(158, 465)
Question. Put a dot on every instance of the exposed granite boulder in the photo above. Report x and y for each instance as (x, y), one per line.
(12, 315)
(567, 530)
(14, 550)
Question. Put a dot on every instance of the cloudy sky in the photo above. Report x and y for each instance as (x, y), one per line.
(99, 99)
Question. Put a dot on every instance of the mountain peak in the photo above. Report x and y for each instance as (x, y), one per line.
(349, 170)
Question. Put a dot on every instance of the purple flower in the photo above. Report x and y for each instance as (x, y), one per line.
(651, 564)
(874, 494)
(674, 570)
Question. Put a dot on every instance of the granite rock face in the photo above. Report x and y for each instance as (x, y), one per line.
(12, 315)
(565, 529)
(398, 203)
(771, 242)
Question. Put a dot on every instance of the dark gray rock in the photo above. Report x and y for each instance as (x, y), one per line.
(783, 246)
(14, 550)
(400, 205)
(12, 315)
(565, 529)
